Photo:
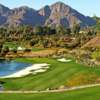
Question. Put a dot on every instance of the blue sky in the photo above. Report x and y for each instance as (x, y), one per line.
(87, 7)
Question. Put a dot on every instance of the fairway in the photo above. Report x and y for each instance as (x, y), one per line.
(66, 74)
(82, 94)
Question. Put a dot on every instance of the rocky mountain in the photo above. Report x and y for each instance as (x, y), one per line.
(54, 15)
(4, 13)
(24, 15)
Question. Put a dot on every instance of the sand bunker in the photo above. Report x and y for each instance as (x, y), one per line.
(34, 69)
(64, 60)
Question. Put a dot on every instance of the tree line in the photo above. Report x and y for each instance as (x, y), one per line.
(46, 36)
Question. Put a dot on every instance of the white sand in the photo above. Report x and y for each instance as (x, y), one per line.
(40, 70)
(36, 68)
(64, 60)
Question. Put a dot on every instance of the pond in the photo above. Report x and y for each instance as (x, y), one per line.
(10, 67)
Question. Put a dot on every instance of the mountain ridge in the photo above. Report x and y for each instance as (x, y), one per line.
(53, 15)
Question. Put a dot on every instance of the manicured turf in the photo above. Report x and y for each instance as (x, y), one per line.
(82, 94)
(37, 49)
(58, 74)
(11, 45)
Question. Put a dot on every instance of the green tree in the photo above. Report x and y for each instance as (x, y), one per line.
(76, 29)
(38, 30)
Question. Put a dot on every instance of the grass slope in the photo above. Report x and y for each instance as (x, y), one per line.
(82, 94)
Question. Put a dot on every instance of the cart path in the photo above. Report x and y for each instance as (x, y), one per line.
(52, 91)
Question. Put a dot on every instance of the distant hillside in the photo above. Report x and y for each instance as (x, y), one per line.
(54, 15)
(93, 43)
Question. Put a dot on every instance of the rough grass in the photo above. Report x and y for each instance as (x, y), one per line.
(57, 75)
(82, 94)
(96, 54)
